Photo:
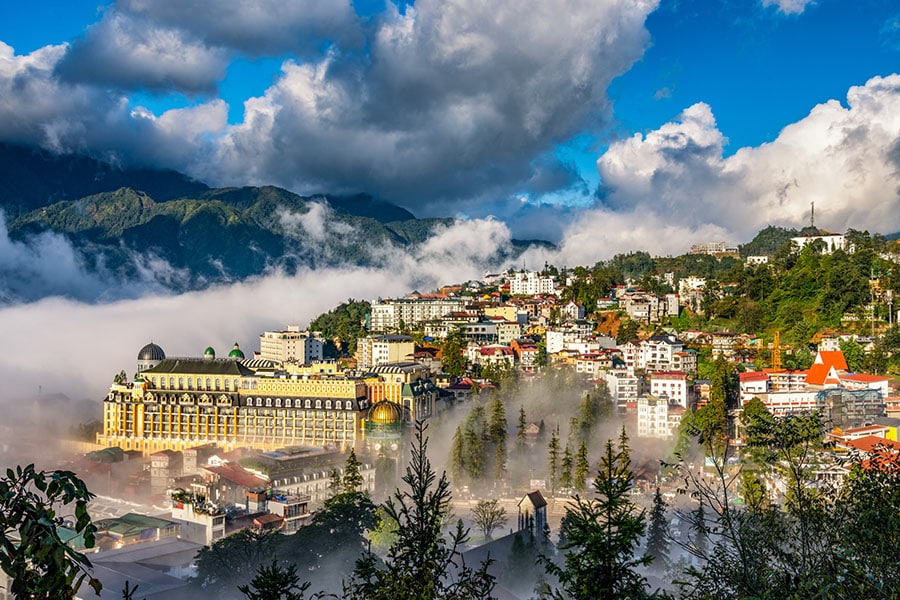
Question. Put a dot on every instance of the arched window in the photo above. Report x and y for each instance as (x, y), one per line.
(227, 385)
(287, 403)
(318, 404)
(207, 383)
(181, 383)
(278, 402)
(328, 404)
(190, 383)
(218, 384)
(308, 403)
(339, 405)
(171, 383)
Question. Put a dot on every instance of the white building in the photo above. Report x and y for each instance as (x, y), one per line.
(387, 316)
(528, 283)
(686, 284)
(671, 384)
(291, 346)
(831, 242)
(623, 386)
(653, 418)
(383, 349)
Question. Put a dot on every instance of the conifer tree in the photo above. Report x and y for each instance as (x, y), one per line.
(658, 531)
(553, 458)
(353, 479)
(582, 469)
(335, 483)
(601, 535)
(458, 455)
(497, 435)
(565, 473)
(422, 564)
(520, 429)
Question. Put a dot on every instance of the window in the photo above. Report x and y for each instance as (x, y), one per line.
(181, 383)
(227, 385)
(287, 403)
(218, 383)
(171, 383)
(318, 404)
(190, 383)
(207, 383)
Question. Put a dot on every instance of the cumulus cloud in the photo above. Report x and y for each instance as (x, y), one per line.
(788, 7)
(674, 185)
(136, 53)
(453, 99)
(257, 27)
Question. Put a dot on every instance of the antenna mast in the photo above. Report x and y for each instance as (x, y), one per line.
(812, 214)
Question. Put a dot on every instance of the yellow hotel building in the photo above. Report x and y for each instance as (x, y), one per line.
(181, 403)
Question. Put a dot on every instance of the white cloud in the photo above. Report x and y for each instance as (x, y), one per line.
(76, 348)
(673, 185)
(789, 7)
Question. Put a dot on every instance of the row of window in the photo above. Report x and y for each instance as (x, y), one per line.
(307, 403)
(210, 383)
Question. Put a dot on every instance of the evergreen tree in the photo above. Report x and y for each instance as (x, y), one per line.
(582, 469)
(699, 531)
(658, 532)
(601, 535)
(274, 582)
(452, 359)
(553, 459)
(353, 479)
(497, 435)
(458, 455)
(520, 429)
(422, 564)
(335, 484)
(565, 474)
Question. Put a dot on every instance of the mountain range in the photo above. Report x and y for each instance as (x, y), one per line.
(120, 219)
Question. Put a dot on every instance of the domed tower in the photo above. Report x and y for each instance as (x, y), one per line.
(149, 356)
(236, 352)
(383, 427)
(209, 353)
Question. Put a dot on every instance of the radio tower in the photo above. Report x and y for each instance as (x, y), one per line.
(812, 214)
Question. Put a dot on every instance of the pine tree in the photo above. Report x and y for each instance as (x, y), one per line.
(497, 435)
(699, 531)
(335, 484)
(275, 582)
(553, 458)
(458, 455)
(601, 535)
(658, 532)
(473, 453)
(582, 469)
(422, 564)
(520, 429)
(353, 479)
(565, 474)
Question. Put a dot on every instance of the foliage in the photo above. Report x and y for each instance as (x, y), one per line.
(582, 469)
(658, 531)
(488, 515)
(422, 564)
(275, 582)
(384, 535)
(353, 479)
(453, 361)
(233, 560)
(38, 563)
(601, 535)
(553, 459)
(342, 325)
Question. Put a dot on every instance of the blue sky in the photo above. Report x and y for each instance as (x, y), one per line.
(369, 97)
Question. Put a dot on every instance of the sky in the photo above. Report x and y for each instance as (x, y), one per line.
(604, 126)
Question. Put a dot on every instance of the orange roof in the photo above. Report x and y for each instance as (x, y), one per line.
(834, 358)
(871, 443)
(668, 375)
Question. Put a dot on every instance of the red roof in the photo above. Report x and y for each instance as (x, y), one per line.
(239, 476)
(863, 378)
(668, 375)
(753, 376)
(855, 430)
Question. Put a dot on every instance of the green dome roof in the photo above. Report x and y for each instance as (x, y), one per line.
(236, 352)
(209, 352)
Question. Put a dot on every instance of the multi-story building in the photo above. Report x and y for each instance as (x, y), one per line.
(388, 315)
(672, 385)
(291, 346)
(653, 417)
(184, 402)
(528, 283)
(383, 349)
(657, 353)
(407, 385)
(623, 386)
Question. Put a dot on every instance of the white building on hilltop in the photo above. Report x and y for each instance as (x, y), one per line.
(291, 346)
(528, 283)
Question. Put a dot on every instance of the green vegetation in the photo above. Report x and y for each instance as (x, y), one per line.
(39, 564)
(342, 326)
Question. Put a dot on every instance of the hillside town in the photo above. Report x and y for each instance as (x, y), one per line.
(261, 440)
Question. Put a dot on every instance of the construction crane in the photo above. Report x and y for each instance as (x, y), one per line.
(776, 352)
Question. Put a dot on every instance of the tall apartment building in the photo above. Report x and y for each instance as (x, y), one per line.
(387, 316)
(291, 346)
